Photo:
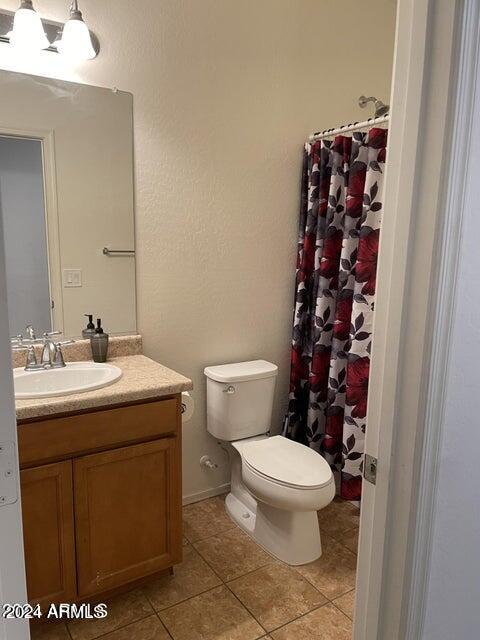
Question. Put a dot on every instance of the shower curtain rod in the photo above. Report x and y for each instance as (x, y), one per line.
(319, 135)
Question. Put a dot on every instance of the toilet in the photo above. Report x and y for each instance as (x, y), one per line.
(277, 485)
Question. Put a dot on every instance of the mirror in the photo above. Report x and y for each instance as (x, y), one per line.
(66, 204)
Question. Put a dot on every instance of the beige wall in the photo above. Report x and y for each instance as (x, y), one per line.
(225, 92)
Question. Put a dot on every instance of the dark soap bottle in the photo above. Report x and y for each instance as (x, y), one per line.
(90, 328)
(99, 343)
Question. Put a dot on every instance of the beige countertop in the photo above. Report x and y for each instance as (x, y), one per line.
(142, 379)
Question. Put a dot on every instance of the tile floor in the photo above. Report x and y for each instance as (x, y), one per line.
(228, 588)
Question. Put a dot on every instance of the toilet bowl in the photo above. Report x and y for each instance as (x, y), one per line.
(277, 485)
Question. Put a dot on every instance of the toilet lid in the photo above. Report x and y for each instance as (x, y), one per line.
(287, 462)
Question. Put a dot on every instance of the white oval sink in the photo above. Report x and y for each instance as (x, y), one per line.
(75, 377)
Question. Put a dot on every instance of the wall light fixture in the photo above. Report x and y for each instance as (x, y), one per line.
(76, 42)
(24, 29)
(27, 32)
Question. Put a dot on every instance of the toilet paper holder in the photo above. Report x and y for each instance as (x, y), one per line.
(186, 406)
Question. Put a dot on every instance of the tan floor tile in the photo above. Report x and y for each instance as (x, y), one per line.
(338, 517)
(334, 572)
(48, 631)
(147, 629)
(349, 539)
(346, 603)
(214, 615)
(276, 594)
(191, 577)
(122, 610)
(326, 623)
(232, 554)
(205, 518)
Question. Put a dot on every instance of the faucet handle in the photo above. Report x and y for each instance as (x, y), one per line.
(31, 358)
(49, 334)
(31, 362)
(59, 359)
(19, 342)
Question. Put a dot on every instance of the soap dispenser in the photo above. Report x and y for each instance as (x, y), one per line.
(89, 330)
(99, 343)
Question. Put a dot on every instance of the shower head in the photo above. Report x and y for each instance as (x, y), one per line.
(381, 109)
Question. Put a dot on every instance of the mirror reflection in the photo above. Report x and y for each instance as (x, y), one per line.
(22, 203)
(66, 204)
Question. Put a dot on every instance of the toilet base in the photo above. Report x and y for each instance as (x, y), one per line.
(291, 536)
(242, 515)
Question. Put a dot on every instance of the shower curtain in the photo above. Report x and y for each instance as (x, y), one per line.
(340, 216)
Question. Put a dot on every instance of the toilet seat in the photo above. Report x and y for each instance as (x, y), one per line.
(286, 463)
(279, 483)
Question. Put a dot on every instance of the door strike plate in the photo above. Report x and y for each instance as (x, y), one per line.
(8, 476)
(370, 468)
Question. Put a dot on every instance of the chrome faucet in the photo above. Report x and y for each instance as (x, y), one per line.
(52, 356)
(49, 350)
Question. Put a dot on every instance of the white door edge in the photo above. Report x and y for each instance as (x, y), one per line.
(447, 259)
(12, 570)
(424, 58)
(408, 78)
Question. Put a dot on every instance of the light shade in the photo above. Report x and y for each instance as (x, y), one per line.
(27, 32)
(76, 42)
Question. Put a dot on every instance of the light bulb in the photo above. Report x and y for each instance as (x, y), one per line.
(27, 32)
(76, 42)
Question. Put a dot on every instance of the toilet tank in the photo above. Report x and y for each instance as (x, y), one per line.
(240, 399)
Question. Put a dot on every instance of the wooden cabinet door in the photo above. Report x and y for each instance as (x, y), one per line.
(48, 532)
(127, 514)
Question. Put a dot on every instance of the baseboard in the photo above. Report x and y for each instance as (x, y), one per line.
(208, 493)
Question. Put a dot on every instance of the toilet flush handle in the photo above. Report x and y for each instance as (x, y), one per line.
(230, 389)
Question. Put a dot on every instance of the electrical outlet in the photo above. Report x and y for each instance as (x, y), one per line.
(72, 277)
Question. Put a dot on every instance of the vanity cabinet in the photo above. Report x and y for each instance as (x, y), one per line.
(124, 503)
(108, 513)
(48, 532)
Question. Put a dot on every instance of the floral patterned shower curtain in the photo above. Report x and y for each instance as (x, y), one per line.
(339, 229)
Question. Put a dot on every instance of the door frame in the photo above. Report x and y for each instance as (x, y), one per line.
(432, 98)
(52, 223)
